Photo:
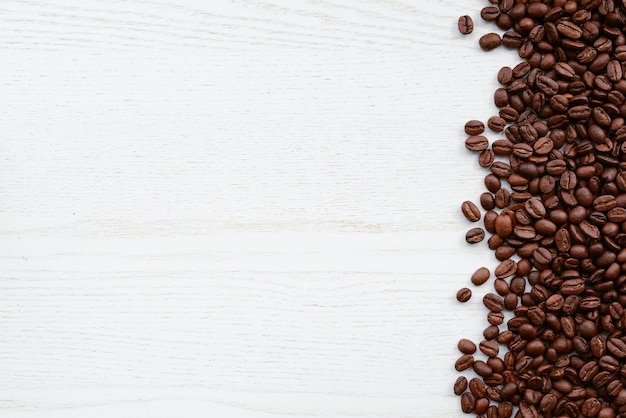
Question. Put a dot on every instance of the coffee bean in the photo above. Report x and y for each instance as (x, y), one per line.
(616, 347)
(474, 127)
(480, 276)
(568, 29)
(490, 41)
(464, 362)
(468, 401)
(496, 123)
(460, 385)
(470, 211)
(489, 348)
(466, 346)
(464, 294)
(505, 269)
(465, 25)
(476, 143)
(475, 235)
(493, 302)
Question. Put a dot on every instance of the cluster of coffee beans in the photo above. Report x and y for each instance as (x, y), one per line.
(554, 213)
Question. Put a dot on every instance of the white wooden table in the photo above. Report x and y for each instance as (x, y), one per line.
(237, 208)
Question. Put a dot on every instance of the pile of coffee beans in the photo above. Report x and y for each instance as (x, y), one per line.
(554, 213)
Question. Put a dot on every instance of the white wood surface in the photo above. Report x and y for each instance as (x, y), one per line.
(237, 208)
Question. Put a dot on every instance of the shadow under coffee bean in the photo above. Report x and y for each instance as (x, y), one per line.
(554, 214)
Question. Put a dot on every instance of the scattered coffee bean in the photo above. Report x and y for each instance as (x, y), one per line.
(466, 346)
(475, 235)
(480, 276)
(474, 127)
(463, 295)
(470, 211)
(490, 41)
(465, 25)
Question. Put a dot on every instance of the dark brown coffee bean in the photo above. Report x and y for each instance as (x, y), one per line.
(460, 385)
(468, 401)
(464, 362)
(616, 347)
(480, 276)
(466, 346)
(501, 97)
(493, 302)
(496, 123)
(475, 235)
(486, 158)
(464, 294)
(487, 201)
(591, 407)
(470, 211)
(474, 127)
(568, 29)
(505, 269)
(490, 13)
(489, 348)
(465, 25)
(482, 369)
(573, 287)
(505, 75)
(504, 226)
(490, 41)
(476, 143)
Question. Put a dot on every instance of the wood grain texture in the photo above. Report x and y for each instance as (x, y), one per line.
(237, 208)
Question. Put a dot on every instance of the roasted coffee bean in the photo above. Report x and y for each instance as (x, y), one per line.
(468, 401)
(466, 346)
(476, 143)
(464, 362)
(489, 348)
(490, 41)
(496, 123)
(470, 211)
(460, 385)
(505, 269)
(464, 294)
(475, 235)
(474, 127)
(480, 276)
(493, 302)
(465, 25)
(477, 387)
(616, 347)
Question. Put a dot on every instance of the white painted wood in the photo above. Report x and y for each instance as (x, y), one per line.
(237, 208)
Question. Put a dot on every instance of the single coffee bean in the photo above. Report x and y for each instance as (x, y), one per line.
(505, 269)
(464, 362)
(493, 302)
(476, 143)
(474, 127)
(490, 13)
(496, 123)
(470, 211)
(569, 29)
(460, 385)
(465, 25)
(464, 294)
(490, 41)
(468, 401)
(489, 348)
(480, 276)
(466, 346)
(616, 347)
(475, 235)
